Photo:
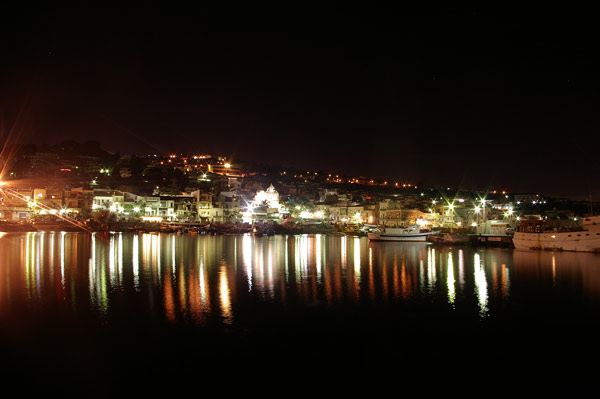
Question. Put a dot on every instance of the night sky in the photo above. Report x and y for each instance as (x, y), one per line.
(469, 99)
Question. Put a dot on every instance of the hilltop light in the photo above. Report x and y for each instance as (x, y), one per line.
(227, 165)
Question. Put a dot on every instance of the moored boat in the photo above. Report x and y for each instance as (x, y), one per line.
(410, 233)
(449, 238)
(535, 236)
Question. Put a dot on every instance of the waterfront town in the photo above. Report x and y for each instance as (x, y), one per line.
(74, 185)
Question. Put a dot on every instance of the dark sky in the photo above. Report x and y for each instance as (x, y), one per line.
(469, 98)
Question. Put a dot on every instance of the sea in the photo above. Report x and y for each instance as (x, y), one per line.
(115, 313)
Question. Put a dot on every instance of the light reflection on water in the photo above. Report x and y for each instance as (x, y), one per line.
(197, 277)
(104, 297)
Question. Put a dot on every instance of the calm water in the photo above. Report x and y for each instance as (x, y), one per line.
(107, 311)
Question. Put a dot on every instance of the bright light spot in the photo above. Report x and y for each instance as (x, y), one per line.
(113, 208)
(305, 214)
(227, 165)
(136, 209)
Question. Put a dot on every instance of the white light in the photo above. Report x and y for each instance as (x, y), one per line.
(305, 214)
(152, 218)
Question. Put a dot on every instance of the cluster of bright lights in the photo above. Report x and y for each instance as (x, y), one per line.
(151, 218)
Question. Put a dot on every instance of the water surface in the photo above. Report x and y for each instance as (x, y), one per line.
(102, 312)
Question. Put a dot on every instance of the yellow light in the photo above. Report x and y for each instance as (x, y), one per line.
(227, 165)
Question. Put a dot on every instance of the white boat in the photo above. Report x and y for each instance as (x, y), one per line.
(586, 239)
(410, 233)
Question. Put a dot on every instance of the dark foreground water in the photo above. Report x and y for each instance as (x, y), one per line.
(104, 314)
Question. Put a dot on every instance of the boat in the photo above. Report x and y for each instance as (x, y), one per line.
(449, 238)
(410, 233)
(533, 235)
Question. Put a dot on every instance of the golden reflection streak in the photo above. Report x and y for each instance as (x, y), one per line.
(50, 258)
(225, 294)
(194, 299)
(157, 251)
(97, 280)
(182, 284)
(480, 285)
(371, 278)
(461, 269)
(62, 258)
(505, 281)
(247, 258)
(120, 258)
(343, 259)
(204, 288)
(270, 270)
(169, 300)
(29, 255)
(135, 261)
(318, 255)
(38, 263)
(259, 262)
(451, 280)
(111, 259)
(406, 283)
(173, 262)
(396, 278)
(553, 269)
(432, 273)
(357, 258)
